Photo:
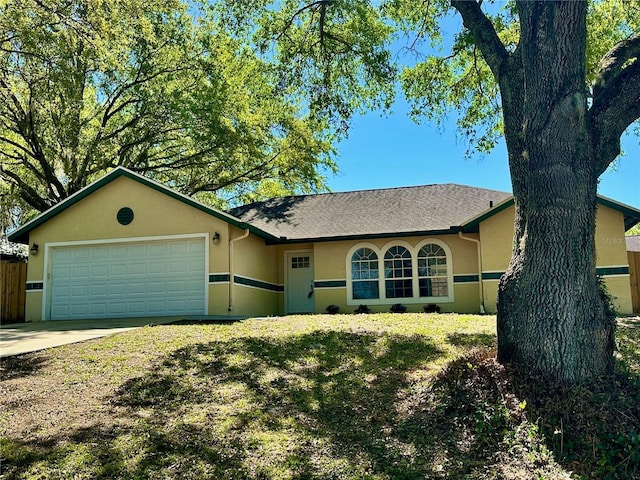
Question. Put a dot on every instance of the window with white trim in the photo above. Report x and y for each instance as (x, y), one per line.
(398, 274)
(432, 271)
(400, 271)
(364, 274)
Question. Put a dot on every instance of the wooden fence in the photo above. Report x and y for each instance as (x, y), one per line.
(13, 289)
(634, 271)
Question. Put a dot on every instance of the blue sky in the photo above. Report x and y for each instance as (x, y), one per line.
(393, 151)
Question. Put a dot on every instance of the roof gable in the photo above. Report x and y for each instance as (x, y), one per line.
(21, 235)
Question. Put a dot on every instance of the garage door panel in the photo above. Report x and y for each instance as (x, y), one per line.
(136, 308)
(137, 269)
(100, 253)
(116, 309)
(80, 272)
(136, 279)
(79, 291)
(61, 272)
(98, 309)
(81, 254)
(157, 268)
(79, 310)
(99, 290)
(99, 270)
(116, 289)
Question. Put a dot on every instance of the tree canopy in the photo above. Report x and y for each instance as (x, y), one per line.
(160, 87)
(348, 56)
(559, 80)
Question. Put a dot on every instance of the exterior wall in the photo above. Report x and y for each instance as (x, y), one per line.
(156, 215)
(257, 288)
(496, 234)
(611, 256)
(331, 261)
(496, 237)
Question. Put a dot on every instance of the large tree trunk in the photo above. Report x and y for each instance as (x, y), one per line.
(552, 317)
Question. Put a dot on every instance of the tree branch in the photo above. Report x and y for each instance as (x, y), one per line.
(237, 178)
(321, 3)
(616, 100)
(27, 193)
(486, 38)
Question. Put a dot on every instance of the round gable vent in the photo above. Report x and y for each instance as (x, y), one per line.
(125, 216)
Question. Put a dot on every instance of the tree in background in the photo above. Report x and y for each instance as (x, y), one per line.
(559, 80)
(158, 87)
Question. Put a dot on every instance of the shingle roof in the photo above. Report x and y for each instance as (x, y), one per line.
(633, 243)
(405, 210)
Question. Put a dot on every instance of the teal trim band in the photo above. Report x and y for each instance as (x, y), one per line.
(607, 271)
(601, 271)
(492, 275)
(219, 278)
(465, 278)
(250, 282)
(330, 284)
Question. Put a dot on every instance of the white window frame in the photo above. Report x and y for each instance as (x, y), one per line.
(358, 301)
(414, 250)
(383, 293)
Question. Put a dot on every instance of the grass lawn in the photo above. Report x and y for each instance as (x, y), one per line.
(384, 396)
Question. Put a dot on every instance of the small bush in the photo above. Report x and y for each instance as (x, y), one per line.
(431, 308)
(362, 309)
(332, 309)
(398, 308)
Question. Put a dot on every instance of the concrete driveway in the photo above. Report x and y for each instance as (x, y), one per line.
(19, 338)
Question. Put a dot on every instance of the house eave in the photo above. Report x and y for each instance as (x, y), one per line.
(364, 236)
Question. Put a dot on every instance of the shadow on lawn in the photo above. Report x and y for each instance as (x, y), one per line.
(324, 405)
(321, 405)
(22, 365)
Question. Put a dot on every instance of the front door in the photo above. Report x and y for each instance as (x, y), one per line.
(300, 297)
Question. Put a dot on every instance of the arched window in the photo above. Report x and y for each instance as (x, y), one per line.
(364, 274)
(432, 271)
(398, 273)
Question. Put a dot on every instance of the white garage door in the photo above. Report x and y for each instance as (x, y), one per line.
(135, 279)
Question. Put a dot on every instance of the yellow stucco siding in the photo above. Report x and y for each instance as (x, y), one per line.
(496, 235)
(490, 288)
(620, 289)
(257, 289)
(329, 260)
(611, 248)
(611, 256)
(33, 306)
(254, 259)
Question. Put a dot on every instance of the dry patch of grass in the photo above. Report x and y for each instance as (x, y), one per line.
(306, 397)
